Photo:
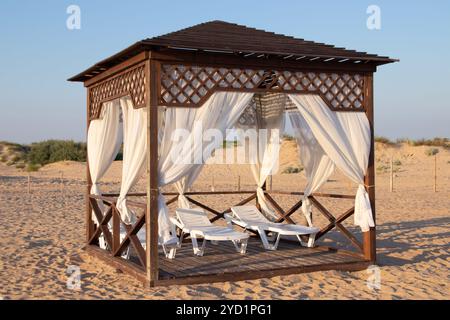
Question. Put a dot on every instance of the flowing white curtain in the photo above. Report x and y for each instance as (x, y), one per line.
(185, 183)
(134, 153)
(184, 158)
(345, 138)
(266, 160)
(318, 166)
(103, 143)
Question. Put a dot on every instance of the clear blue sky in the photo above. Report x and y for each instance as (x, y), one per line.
(38, 53)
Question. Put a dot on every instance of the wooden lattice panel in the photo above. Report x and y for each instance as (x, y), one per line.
(131, 82)
(191, 85)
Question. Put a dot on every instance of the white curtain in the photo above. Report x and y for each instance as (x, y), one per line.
(134, 153)
(317, 165)
(265, 162)
(345, 138)
(180, 159)
(185, 183)
(103, 143)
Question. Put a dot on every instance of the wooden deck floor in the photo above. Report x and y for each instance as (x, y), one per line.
(222, 263)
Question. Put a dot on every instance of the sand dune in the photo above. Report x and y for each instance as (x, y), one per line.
(42, 235)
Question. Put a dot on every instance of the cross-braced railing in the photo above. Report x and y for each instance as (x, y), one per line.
(285, 215)
(119, 237)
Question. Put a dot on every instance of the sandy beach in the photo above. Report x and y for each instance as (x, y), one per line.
(42, 234)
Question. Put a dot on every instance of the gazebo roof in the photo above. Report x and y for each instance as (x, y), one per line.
(229, 38)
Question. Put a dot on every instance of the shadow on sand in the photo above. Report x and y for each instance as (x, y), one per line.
(396, 238)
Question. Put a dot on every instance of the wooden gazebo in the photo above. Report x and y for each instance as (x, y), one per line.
(219, 56)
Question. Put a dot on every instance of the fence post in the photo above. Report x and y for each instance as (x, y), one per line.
(391, 187)
(435, 173)
(61, 180)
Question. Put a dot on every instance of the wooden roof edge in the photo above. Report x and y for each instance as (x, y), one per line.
(128, 53)
(159, 43)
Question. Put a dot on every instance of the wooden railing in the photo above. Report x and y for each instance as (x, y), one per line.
(117, 246)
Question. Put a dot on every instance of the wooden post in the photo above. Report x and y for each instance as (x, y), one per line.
(61, 180)
(88, 219)
(213, 188)
(369, 237)
(116, 228)
(435, 173)
(239, 183)
(151, 215)
(391, 182)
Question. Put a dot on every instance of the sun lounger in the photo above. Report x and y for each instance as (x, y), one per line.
(249, 217)
(195, 223)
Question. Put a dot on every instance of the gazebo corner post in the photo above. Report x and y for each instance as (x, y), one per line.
(88, 219)
(369, 237)
(151, 214)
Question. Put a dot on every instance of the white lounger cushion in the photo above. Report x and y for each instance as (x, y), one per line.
(253, 218)
(196, 223)
(249, 217)
(219, 233)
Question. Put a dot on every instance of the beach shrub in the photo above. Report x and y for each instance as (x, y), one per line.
(384, 140)
(11, 145)
(33, 167)
(233, 143)
(119, 156)
(3, 158)
(397, 163)
(288, 137)
(290, 170)
(435, 142)
(16, 158)
(15, 148)
(431, 152)
(20, 166)
(56, 150)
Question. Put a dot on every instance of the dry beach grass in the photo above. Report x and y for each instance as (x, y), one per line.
(42, 234)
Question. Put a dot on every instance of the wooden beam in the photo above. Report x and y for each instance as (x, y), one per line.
(230, 60)
(89, 224)
(331, 225)
(369, 237)
(102, 225)
(117, 262)
(241, 203)
(203, 206)
(278, 209)
(356, 265)
(136, 243)
(337, 224)
(288, 213)
(151, 225)
(116, 228)
(117, 68)
(192, 193)
(131, 237)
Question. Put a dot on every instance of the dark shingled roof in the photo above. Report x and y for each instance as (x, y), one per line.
(224, 37)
